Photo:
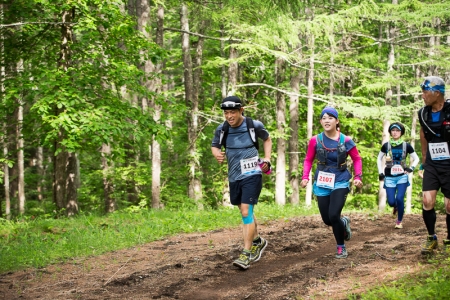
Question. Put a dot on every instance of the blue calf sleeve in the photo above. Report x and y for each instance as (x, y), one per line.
(249, 218)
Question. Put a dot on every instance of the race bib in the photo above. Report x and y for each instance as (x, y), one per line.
(325, 180)
(439, 151)
(250, 165)
(397, 170)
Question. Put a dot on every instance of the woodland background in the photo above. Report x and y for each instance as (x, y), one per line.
(111, 105)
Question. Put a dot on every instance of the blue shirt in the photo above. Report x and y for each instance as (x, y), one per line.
(240, 146)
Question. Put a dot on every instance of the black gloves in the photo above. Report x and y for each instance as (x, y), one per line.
(409, 170)
(381, 176)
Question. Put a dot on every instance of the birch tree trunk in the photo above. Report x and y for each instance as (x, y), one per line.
(5, 139)
(194, 191)
(280, 176)
(156, 147)
(108, 187)
(410, 176)
(309, 119)
(229, 91)
(293, 139)
(20, 158)
(381, 190)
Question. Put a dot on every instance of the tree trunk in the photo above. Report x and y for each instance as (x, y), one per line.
(65, 176)
(381, 190)
(194, 191)
(20, 158)
(293, 139)
(410, 175)
(108, 187)
(72, 184)
(280, 176)
(6, 176)
(40, 171)
(309, 120)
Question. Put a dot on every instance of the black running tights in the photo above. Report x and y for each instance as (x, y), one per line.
(330, 208)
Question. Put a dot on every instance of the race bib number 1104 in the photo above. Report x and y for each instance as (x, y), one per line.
(439, 151)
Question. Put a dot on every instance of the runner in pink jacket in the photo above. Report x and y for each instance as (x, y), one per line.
(332, 177)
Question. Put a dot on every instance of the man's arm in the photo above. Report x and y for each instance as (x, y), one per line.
(267, 146)
(424, 145)
(218, 154)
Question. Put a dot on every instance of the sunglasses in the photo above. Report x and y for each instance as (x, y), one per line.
(230, 104)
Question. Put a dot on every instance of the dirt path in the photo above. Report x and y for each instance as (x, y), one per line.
(298, 263)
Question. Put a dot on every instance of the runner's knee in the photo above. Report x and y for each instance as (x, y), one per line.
(247, 215)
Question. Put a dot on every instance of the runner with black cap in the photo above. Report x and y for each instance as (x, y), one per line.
(239, 136)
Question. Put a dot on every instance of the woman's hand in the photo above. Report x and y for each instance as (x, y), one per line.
(304, 183)
(358, 183)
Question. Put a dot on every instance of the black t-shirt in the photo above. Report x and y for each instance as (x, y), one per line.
(396, 153)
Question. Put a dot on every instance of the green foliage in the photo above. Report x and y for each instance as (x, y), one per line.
(429, 284)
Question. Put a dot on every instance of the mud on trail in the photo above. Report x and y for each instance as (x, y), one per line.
(298, 263)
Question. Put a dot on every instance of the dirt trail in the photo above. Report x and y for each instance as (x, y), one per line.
(298, 263)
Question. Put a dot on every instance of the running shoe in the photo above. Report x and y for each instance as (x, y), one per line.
(257, 250)
(243, 261)
(341, 252)
(430, 244)
(398, 225)
(348, 231)
(446, 246)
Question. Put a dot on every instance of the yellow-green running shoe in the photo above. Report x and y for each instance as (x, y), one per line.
(243, 261)
(446, 247)
(257, 250)
(430, 244)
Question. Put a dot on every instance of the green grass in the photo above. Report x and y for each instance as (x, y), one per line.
(40, 242)
(431, 284)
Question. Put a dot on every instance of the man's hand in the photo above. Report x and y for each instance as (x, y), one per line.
(220, 156)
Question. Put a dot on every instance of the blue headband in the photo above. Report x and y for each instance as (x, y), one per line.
(429, 86)
(395, 126)
(330, 111)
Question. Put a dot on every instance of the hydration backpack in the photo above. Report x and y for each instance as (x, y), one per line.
(250, 129)
(425, 113)
(321, 153)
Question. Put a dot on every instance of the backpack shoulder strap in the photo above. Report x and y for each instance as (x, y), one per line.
(341, 138)
(224, 134)
(251, 131)
(319, 140)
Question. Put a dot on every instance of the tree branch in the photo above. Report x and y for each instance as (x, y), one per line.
(26, 23)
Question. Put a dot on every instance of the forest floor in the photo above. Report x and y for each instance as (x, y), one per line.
(298, 263)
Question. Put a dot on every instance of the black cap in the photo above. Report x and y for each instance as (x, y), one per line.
(231, 102)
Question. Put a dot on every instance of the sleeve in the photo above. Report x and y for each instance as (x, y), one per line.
(380, 162)
(309, 158)
(409, 148)
(216, 139)
(384, 148)
(415, 158)
(260, 130)
(357, 162)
